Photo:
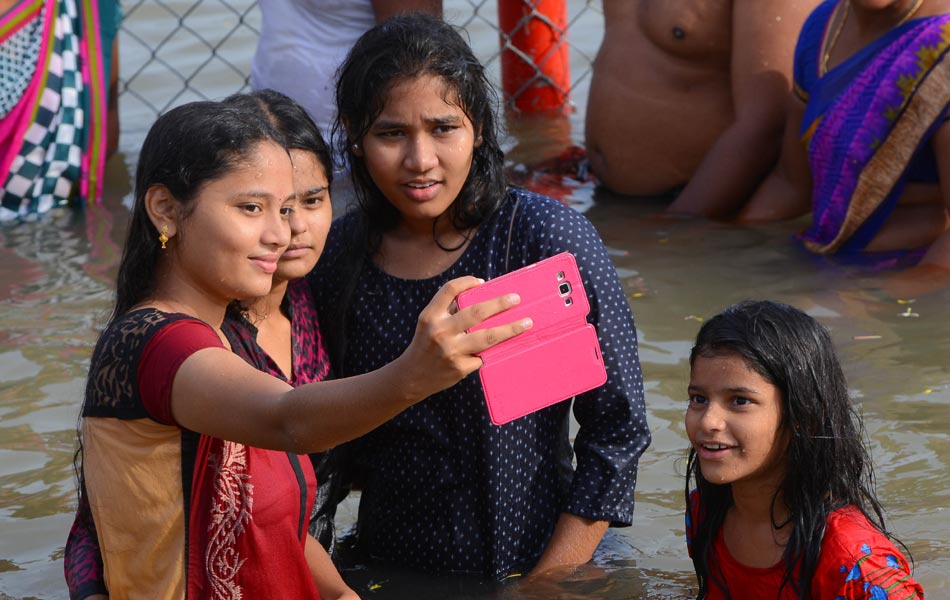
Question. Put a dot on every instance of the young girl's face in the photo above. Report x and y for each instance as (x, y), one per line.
(310, 217)
(734, 422)
(419, 149)
(229, 245)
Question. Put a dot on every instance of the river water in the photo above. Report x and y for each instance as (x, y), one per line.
(55, 294)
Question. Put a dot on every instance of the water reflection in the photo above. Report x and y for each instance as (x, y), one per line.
(55, 294)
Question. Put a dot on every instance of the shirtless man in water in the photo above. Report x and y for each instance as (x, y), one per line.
(692, 92)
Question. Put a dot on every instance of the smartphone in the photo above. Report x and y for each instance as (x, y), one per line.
(559, 357)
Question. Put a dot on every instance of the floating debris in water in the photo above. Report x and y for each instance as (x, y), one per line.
(908, 301)
(694, 318)
(908, 313)
(867, 337)
(636, 288)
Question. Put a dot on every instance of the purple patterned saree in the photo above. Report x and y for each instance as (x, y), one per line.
(868, 123)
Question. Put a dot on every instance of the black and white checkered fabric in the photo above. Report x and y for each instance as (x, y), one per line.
(49, 163)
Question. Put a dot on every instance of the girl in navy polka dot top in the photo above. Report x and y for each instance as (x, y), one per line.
(444, 490)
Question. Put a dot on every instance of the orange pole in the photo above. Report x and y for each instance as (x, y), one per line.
(535, 71)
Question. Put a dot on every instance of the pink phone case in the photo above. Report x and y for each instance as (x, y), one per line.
(559, 357)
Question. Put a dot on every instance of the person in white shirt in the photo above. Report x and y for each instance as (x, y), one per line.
(303, 42)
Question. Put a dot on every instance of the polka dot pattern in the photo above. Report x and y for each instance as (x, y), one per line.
(444, 490)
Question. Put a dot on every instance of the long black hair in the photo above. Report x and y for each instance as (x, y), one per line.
(292, 121)
(402, 48)
(185, 148)
(827, 465)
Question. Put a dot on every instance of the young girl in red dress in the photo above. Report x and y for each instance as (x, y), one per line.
(784, 503)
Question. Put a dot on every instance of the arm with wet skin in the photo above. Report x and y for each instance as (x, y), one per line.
(573, 542)
(329, 583)
(217, 393)
(786, 192)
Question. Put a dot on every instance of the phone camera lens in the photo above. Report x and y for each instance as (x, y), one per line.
(564, 289)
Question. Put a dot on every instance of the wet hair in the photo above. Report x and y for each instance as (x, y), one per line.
(400, 49)
(186, 148)
(292, 121)
(827, 465)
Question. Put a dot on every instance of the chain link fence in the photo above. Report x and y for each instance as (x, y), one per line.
(177, 51)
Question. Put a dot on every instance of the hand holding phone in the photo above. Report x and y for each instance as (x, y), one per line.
(559, 357)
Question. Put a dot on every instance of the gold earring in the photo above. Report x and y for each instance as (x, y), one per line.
(163, 236)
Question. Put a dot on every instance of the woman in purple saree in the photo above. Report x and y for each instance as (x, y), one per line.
(872, 118)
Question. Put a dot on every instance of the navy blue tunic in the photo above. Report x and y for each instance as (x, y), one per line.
(445, 490)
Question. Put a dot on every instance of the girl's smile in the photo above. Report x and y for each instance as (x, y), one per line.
(244, 216)
(734, 421)
(266, 262)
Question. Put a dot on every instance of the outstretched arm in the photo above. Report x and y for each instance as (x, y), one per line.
(217, 393)
(764, 36)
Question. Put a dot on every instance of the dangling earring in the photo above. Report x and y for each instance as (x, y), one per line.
(355, 148)
(163, 236)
